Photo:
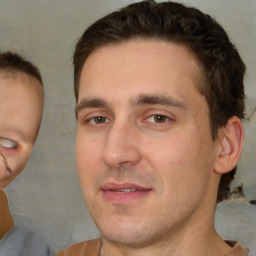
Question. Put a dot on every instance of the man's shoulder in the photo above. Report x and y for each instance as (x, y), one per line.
(85, 248)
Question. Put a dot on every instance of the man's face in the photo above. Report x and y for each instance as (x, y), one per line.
(144, 151)
(21, 105)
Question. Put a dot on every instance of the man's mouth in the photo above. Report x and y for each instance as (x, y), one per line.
(127, 190)
(123, 193)
(123, 187)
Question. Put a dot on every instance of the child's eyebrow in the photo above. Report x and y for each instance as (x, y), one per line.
(17, 132)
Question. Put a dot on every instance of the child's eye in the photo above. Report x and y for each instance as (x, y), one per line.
(158, 119)
(7, 143)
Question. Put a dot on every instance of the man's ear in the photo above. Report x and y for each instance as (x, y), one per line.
(230, 146)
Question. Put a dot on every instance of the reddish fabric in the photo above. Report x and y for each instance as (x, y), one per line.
(6, 222)
(86, 248)
(92, 248)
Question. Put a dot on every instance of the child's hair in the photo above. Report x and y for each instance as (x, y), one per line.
(14, 63)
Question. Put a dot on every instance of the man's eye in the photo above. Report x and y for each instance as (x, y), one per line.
(7, 143)
(98, 120)
(158, 119)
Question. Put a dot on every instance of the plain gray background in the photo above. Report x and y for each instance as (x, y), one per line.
(47, 192)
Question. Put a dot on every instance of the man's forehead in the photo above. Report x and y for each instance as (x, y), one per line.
(198, 74)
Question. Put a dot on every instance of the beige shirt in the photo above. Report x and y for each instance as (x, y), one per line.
(92, 248)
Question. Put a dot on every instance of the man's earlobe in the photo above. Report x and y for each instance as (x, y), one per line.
(230, 145)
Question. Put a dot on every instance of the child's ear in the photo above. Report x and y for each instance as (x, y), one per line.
(230, 146)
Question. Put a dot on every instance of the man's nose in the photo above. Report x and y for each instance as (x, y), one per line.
(121, 147)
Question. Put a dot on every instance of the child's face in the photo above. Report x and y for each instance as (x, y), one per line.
(21, 106)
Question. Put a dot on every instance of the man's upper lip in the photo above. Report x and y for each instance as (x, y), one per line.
(120, 186)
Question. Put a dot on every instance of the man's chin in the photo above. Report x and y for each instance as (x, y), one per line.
(131, 236)
(124, 240)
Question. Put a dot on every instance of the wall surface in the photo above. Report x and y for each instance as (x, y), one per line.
(47, 192)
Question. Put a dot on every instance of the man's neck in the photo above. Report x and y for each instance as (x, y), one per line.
(6, 221)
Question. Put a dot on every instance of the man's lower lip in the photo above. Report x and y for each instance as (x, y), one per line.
(124, 197)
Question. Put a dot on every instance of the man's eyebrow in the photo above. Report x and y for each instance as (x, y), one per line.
(158, 99)
(143, 99)
(90, 103)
